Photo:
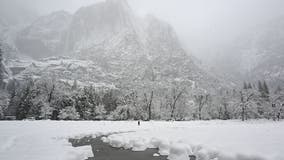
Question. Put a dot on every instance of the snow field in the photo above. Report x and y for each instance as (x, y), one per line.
(48, 140)
(218, 140)
(208, 140)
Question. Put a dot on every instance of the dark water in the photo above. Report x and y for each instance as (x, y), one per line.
(103, 151)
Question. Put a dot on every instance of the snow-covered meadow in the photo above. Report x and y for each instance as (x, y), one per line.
(222, 140)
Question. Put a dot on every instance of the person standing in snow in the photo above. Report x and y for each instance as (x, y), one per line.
(279, 114)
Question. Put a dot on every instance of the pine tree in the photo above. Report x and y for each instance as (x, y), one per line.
(1, 69)
(265, 88)
(260, 87)
(1, 58)
(75, 85)
(265, 91)
(25, 102)
(249, 86)
(245, 85)
(278, 90)
(110, 101)
(69, 113)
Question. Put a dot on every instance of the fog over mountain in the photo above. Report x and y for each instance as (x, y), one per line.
(256, 54)
(203, 26)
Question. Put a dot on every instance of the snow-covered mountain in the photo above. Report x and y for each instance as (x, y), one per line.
(110, 46)
(92, 25)
(257, 55)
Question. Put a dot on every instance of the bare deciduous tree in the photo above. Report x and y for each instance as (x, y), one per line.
(148, 101)
(176, 94)
(246, 98)
(201, 100)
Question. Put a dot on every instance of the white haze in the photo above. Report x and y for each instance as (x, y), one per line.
(204, 26)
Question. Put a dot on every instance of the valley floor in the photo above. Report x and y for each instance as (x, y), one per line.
(222, 140)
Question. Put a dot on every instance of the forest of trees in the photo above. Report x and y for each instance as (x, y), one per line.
(48, 98)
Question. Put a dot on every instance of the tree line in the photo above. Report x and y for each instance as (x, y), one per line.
(48, 98)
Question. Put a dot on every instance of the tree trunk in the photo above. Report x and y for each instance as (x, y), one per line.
(150, 106)
(173, 104)
(199, 113)
(50, 95)
(172, 112)
(243, 113)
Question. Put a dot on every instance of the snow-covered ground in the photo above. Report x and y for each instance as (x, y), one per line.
(222, 140)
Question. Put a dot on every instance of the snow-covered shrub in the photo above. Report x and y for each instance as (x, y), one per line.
(4, 99)
(110, 100)
(83, 106)
(46, 111)
(100, 112)
(124, 112)
(1, 113)
(68, 113)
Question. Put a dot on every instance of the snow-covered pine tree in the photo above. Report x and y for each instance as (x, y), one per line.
(265, 90)
(110, 101)
(245, 86)
(46, 111)
(1, 69)
(75, 85)
(249, 86)
(260, 87)
(25, 100)
(69, 113)
(278, 90)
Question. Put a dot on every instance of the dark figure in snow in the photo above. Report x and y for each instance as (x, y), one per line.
(139, 123)
(279, 114)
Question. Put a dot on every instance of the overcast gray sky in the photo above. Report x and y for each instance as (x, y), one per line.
(202, 25)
